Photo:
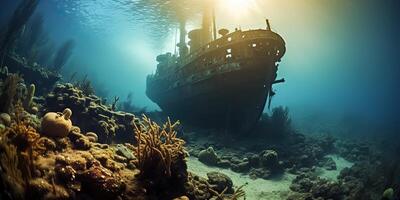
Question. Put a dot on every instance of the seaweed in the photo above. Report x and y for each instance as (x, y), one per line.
(21, 15)
(32, 39)
(63, 54)
(280, 119)
(276, 126)
(8, 92)
(114, 103)
(85, 85)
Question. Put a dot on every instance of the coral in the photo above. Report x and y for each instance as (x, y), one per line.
(8, 92)
(102, 182)
(92, 136)
(160, 156)
(110, 126)
(157, 147)
(56, 124)
(28, 101)
(208, 156)
(17, 143)
(114, 104)
(10, 173)
(85, 85)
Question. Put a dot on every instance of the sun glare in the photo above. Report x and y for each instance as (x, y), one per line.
(236, 7)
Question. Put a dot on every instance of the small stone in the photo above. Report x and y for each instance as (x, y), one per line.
(125, 152)
(220, 181)
(5, 119)
(224, 163)
(208, 156)
(241, 167)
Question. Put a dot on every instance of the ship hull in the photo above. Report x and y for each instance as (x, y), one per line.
(232, 100)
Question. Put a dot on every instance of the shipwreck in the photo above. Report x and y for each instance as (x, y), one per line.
(219, 82)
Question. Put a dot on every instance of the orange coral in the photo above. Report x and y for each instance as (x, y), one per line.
(158, 148)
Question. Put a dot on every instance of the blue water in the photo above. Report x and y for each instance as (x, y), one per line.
(341, 64)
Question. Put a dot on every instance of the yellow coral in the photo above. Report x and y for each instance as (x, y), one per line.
(10, 172)
(157, 147)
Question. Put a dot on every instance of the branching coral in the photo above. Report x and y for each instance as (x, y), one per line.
(21, 133)
(16, 143)
(158, 148)
(10, 172)
(8, 92)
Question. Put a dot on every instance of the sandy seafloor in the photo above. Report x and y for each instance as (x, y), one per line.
(262, 189)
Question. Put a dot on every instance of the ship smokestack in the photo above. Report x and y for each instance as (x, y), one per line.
(207, 22)
(183, 49)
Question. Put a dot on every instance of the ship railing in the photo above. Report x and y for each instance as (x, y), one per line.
(229, 40)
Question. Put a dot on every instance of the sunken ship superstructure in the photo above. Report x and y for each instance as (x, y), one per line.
(222, 82)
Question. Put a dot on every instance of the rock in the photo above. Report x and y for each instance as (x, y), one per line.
(260, 173)
(208, 156)
(254, 160)
(5, 119)
(122, 150)
(241, 167)
(388, 194)
(224, 163)
(57, 125)
(269, 159)
(219, 182)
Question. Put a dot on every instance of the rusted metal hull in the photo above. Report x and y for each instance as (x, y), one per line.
(231, 100)
(224, 84)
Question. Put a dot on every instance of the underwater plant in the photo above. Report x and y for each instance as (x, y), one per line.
(63, 54)
(114, 103)
(18, 20)
(85, 84)
(275, 126)
(280, 119)
(32, 40)
(8, 92)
